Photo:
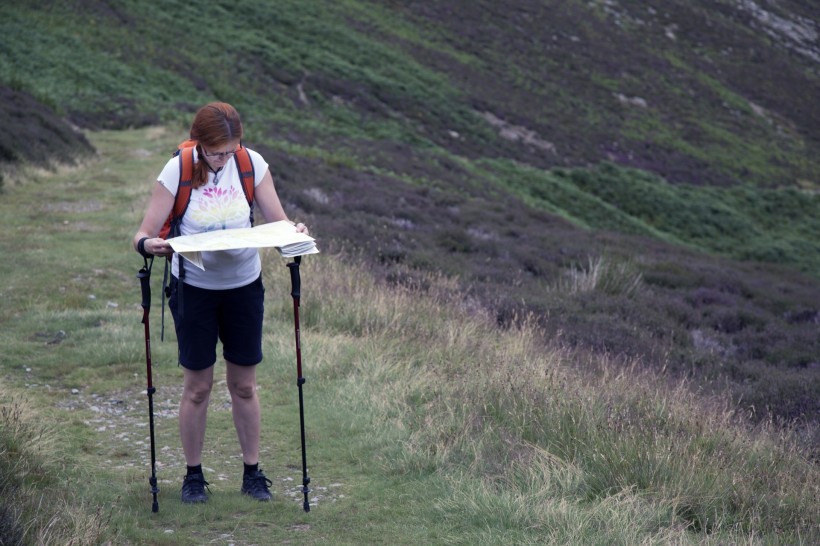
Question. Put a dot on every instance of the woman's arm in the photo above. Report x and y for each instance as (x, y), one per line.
(159, 207)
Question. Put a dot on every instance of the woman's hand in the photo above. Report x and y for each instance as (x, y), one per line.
(158, 247)
(301, 228)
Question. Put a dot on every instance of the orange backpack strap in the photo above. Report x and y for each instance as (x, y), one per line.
(186, 176)
(185, 153)
(190, 143)
(246, 174)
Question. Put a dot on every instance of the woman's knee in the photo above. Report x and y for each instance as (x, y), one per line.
(241, 381)
(197, 389)
(242, 389)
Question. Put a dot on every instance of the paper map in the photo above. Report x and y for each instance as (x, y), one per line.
(281, 235)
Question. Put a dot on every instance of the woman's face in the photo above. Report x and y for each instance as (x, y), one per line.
(217, 156)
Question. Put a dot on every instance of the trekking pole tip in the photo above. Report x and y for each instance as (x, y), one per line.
(305, 491)
(154, 491)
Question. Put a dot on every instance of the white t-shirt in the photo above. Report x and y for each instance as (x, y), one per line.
(219, 204)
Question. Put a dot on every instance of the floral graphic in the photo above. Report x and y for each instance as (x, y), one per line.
(220, 208)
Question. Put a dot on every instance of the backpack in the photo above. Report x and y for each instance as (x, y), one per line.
(185, 153)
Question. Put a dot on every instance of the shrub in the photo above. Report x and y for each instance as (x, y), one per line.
(604, 274)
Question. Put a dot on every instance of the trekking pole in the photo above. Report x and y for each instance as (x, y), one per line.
(295, 283)
(144, 276)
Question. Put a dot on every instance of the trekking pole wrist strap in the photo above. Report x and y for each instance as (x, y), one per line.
(141, 248)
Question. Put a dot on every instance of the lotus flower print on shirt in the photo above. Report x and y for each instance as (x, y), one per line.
(220, 208)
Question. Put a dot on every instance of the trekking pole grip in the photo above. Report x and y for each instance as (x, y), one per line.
(295, 279)
(145, 283)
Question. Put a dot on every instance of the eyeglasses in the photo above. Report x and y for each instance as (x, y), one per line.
(218, 155)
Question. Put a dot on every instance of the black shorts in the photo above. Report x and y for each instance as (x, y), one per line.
(232, 316)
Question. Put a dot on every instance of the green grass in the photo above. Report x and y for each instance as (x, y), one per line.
(766, 225)
(426, 423)
(143, 79)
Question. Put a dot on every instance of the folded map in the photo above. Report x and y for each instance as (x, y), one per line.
(281, 235)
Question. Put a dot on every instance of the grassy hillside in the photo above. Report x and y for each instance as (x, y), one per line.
(426, 423)
(659, 160)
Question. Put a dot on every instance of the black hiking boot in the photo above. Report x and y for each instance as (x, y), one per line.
(256, 485)
(193, 489)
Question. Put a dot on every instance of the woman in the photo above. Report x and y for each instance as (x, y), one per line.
(222, 302)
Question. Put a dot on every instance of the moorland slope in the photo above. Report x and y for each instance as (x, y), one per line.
(641, 176)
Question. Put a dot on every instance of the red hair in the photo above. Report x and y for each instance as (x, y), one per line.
(214, 125)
